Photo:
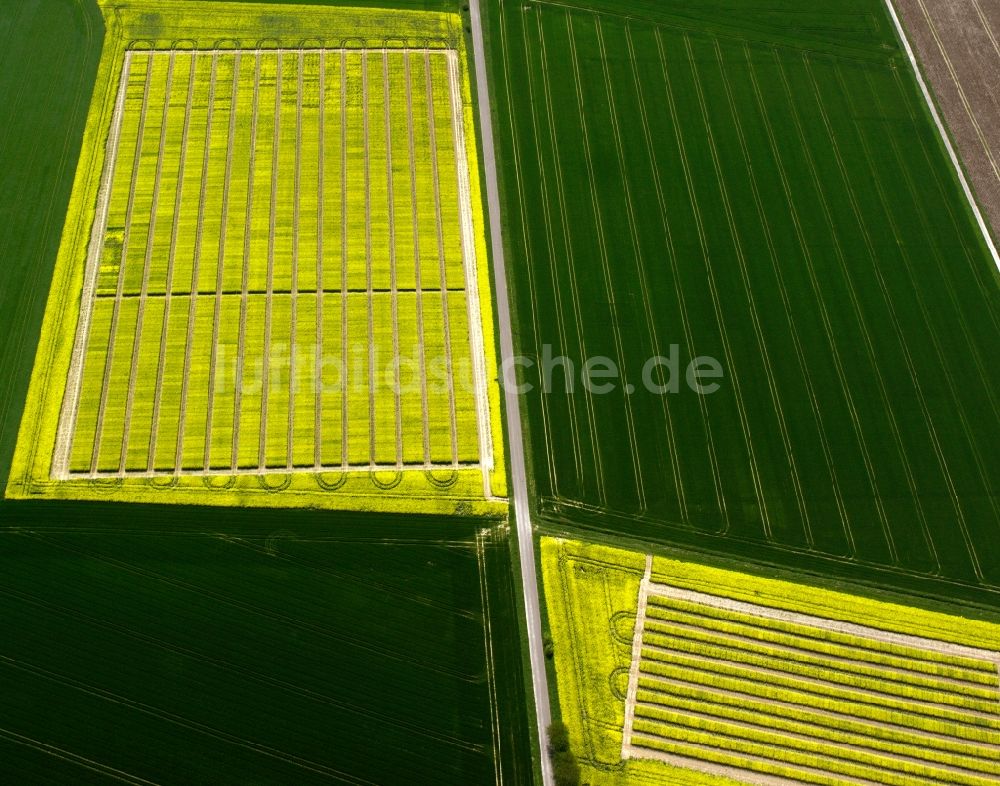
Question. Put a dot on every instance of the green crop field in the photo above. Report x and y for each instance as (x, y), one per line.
(766, 189)
(281, 292)
(50, 52)
(676, 672)
(149, 648)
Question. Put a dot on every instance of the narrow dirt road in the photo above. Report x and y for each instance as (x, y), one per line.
(519, 481)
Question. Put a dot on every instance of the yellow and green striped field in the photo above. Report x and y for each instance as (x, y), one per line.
(672, 671)
(283, 285)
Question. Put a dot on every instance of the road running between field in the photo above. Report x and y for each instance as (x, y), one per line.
(519, 481)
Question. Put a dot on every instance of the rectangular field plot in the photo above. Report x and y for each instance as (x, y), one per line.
(766, 190)
(280, 271)
(199, 675)
(724, 687)
(676, 672)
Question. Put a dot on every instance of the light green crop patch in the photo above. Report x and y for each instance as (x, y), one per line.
(674, 672)
(272, 287)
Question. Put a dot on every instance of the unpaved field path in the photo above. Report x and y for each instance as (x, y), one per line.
(958, 45)
(518, 473)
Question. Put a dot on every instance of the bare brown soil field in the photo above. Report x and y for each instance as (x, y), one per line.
(958, 44)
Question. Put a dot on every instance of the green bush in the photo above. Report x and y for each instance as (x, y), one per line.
(565, 770)
(547, 647)
(558, 737)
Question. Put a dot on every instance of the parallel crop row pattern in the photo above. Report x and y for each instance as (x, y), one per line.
(791, 700)
(281, 280)
(765, 188)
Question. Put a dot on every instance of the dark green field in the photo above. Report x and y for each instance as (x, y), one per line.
(767, 189)
(345, 652)
(48, 53)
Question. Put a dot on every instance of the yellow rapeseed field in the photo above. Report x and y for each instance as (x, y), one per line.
(273, 283)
